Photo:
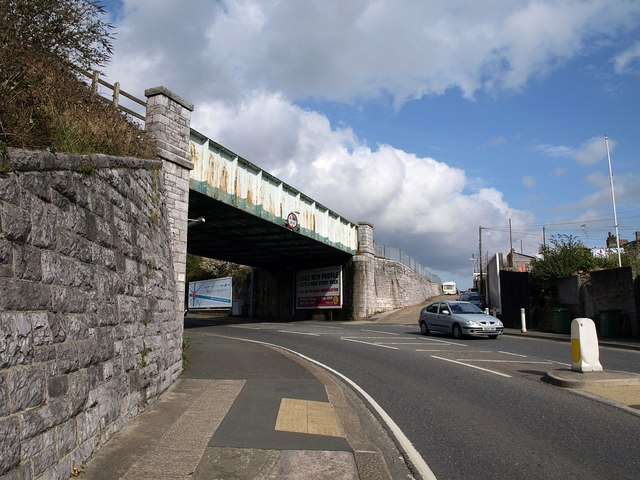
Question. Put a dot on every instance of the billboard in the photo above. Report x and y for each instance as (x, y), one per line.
(319, 288)
(214, 293)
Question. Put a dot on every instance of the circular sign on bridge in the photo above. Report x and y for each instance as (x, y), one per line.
(292, 221)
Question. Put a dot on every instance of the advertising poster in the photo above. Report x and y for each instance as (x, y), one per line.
(319, 288)
(214, 293)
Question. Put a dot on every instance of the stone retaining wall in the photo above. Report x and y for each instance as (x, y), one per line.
(90, 332)
(381, 285)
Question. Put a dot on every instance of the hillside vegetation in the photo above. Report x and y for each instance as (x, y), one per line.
(43, 103)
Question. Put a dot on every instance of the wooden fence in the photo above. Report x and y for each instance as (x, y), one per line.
(116, 93)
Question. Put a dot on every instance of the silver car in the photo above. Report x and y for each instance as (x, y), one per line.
(459, 319)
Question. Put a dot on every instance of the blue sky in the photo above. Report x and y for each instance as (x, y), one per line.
(427, 118)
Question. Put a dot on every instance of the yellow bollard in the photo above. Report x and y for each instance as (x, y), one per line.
(585, 352)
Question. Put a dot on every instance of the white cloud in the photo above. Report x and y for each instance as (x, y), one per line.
(593, 151)
(628, 61)
(498, 141)
(590, 152)
(626, 191)
(529, 181)
(556, 150)
(226, 48)
(559, 172)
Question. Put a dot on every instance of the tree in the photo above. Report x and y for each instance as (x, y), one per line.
(70, 30)
(565, 256)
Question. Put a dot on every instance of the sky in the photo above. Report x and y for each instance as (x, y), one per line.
(436, 121)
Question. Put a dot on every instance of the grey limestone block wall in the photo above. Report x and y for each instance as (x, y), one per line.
(381, 285)
(90, 333)
(397, 286)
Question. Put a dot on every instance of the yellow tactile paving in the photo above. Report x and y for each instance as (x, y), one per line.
(628, 394)
(306, 416)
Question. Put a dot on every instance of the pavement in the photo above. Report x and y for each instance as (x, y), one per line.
(245, 410)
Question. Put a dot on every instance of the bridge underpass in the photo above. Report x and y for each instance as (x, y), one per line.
(233, 235)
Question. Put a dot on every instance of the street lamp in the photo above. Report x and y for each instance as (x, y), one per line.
(613, 198)
(473, 270)
(192, 222)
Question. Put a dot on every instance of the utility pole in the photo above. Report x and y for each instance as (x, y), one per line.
(510, 246)
(613, 198)
(480, 280)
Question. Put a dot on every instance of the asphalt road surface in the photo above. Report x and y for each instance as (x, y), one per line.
(474, 408)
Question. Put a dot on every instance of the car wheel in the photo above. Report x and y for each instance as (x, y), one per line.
(493, 337)
(424, 330)
(457, 331)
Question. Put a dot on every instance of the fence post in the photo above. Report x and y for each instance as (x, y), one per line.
(94, 82)
(116, 94)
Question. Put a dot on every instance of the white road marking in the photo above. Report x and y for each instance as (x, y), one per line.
(472, 366)
(325, 326)
(300, 333)
(446, 342)
(457, 351)
(514, 354)
(245, 327)
(500, 361)
(377, 331)
(368, 343)
(560, 363)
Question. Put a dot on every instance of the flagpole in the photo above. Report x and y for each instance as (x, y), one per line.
(613, 198)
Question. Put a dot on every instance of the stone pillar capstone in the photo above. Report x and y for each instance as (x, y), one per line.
(168, 122)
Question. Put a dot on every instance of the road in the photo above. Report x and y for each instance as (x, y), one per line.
(475, 408)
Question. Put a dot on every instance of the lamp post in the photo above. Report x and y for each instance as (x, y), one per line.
(613, 198)
(480, 282)
(473, 270)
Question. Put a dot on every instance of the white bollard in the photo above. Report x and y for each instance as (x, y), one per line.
(523, 321)
(585, 351)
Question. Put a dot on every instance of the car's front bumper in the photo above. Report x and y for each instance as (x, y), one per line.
(481, 331)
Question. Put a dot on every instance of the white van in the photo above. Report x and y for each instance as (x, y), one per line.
(449, 288)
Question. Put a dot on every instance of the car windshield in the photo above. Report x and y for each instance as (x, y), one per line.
(464, 308)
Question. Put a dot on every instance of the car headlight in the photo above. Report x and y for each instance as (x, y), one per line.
(471, 323)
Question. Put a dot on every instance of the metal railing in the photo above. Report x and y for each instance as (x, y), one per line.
(395, 254)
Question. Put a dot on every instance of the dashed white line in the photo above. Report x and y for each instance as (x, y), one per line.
(446, 342)
(300, 333)
(377, 331)
(500, 361)
(440, 350)
(514, 354)
(560, 363)
(472, 366)
(369, 343)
